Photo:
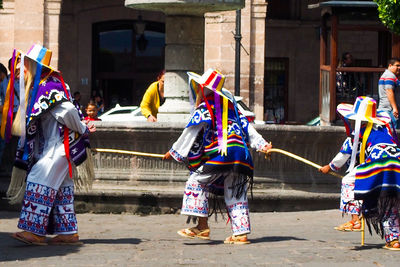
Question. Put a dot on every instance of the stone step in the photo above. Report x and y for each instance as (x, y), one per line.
(155, 199)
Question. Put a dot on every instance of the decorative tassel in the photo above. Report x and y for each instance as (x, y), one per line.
(364, 141)
(218, 114)
(355, 145)
(191, 218)
(225, 127)
(16, 189)
(8, 106)
(84, 173)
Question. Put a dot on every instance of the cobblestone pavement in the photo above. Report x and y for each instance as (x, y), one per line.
(278, 239)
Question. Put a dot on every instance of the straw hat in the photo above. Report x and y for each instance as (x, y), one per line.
(40, 55)
(211, 79)
(364, 109)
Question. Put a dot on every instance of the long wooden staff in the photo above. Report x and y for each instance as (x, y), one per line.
(277, 150)
(306, 161)
(126, 152)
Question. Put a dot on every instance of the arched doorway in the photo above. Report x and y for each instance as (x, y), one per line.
(127, 56)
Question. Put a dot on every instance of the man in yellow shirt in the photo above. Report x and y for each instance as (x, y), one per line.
(153, 98)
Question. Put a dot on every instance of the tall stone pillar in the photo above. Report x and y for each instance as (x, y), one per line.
(28, 13)
(257, 57)
(184, 50)
(184, 39)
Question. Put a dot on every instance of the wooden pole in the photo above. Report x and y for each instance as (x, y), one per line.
(395, 45)
(333, 64)
(306, 161)
(362, 231)
(126, 152)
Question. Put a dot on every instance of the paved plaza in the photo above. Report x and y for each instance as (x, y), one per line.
(278, 239)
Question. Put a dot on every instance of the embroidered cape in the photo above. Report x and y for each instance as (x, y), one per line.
(205, 150)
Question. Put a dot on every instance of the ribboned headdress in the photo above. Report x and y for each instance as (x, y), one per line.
(214, 81)
(40, 58)
(363, 110)
(38, 70)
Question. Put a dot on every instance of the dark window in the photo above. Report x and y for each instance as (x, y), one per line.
(126, 62)
(278, 9)
(275, 89)
(115, 50)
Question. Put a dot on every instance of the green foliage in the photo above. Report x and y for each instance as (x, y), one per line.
(389, 14)
(1, 3)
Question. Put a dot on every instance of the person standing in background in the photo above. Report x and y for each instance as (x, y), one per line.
(153, 98)
(345, 81)
(99, 103)
(388, 82)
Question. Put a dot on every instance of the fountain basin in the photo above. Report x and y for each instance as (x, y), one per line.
(185, 7)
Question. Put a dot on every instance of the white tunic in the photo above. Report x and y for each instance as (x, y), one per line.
(52, 167)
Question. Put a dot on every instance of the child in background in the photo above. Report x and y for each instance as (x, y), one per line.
(91, 112)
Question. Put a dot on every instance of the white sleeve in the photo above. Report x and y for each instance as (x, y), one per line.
(338, 161)
(180, 149)
(66, 114)
(256, 140)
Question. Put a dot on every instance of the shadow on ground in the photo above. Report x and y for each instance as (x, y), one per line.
(132, 241)
(371, 246)
(12, 250)
(9, 215)
(267, 239)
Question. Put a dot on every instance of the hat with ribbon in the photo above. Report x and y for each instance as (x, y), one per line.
(214, 81)
(363, 110)
(211, 79)
(41, 57)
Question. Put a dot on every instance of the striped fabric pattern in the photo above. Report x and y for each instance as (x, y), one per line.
(209, 155)
(388, 81)
(377, 176)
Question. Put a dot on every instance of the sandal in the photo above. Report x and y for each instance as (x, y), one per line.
(237, 240)
(65, 240)
(349, 226)
(195, 232)
(30, 238)
(393, 245)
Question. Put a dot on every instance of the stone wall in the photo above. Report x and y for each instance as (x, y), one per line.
(318, 144)
(131, 182)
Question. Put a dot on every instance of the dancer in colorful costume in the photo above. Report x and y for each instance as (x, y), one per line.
(348, 205)
(377, 181)
(214, 147)
(46, 122)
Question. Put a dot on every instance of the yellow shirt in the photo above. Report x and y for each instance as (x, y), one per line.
(151, 101)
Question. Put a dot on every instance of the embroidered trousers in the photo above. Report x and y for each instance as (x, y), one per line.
(195, 203)
(48, 205)
(348, 204)
(391, 226)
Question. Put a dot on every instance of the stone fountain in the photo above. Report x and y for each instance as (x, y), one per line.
(184, 51)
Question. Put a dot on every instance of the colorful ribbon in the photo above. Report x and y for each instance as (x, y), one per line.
(8, 107)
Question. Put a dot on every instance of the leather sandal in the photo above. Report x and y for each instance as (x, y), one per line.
(237, 240)
(393, 245)
(349, 226)
(65, 240)
(195, 232)
(30, 238)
